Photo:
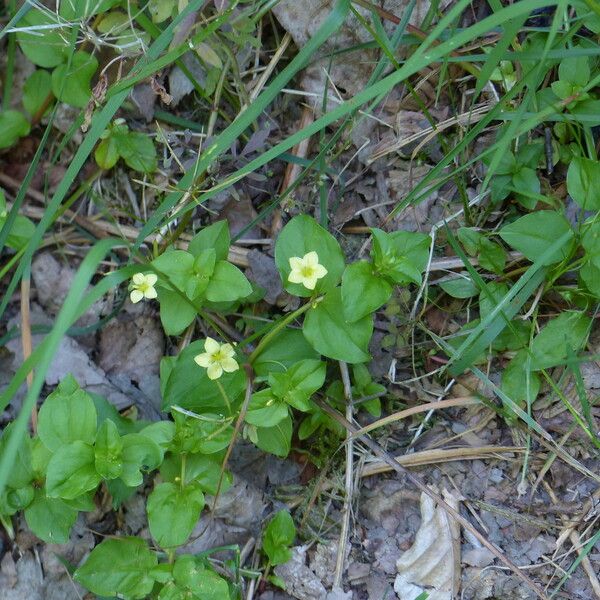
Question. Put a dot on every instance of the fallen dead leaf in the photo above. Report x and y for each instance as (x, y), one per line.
(432, 563)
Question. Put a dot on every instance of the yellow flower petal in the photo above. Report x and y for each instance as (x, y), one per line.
(319, 271)
(229, 365)
(138, 278)
(136, 296)
(296, 277)
(310, 282)
(214, 371)
(227, 351)
(151, 278)
(296, 263)
(311, 259)
(203, 360)
(150, 293)
(211, 345)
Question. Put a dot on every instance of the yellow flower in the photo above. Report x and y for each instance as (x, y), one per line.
(217, 358)
(306, 270)
(142, 287)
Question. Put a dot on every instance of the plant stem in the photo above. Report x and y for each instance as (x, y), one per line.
(224, 395)
(279, 326)
(182, 472)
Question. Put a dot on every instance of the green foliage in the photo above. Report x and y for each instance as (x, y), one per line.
(21, 229)
(278, 537)
(136, 149)
(173, 512)
(299, 237)
(71, 82)
(534, 234)
(516, 173)
(13, 125)
(119, 567)
(200, 276)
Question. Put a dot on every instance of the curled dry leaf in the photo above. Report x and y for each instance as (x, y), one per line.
(432, 563)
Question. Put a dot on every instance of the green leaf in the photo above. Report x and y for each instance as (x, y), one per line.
(106, 410)
(331, 335)
(583, 182)
(23, 471)
(205, 471)
(173, 513)
(276, 440)
(488, 301)
(535, 232)
(575, 70)
(299, 237)
(265, 409)
(590, 237)
(214, 237)
(227, 284)
(362, 291)
(50, 519)
(203, 583)
(21, 231)
(289, 347)
(107, 153)
(470, 239)
(590, 275)
(17, 499)
(13, 125)
(492, 256)
(526, 180)
(67, 415)
(140, 454)
(35, 91)
(108, 450)
(402, 255)
(119, 566)
(520, 383)
(161, 432)
(567, 332)
(43, 47)
(176, 312)
(563, 89)
(299, 383)
(137, 150)
(160, 10)
(71, 471)
(188, 384)
(204, 267)
(72, 84)
(279, 535)
(460, 287)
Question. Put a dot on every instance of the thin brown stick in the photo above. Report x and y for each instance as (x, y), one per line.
(441, 455)
(392, 462)
(413, 410)
(348, 482)
(236, 430)
(26, 341)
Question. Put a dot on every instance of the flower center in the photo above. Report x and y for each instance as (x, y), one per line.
(217, 356)
(307, 271)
